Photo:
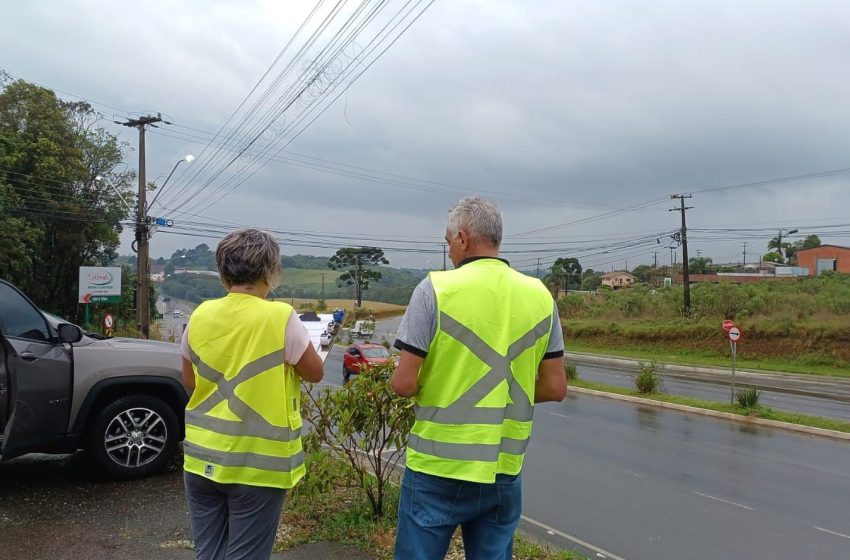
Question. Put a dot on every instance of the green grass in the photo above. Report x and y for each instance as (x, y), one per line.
(307, 279)
(708, 358)
(757, 412)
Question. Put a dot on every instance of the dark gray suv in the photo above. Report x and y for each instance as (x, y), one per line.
(62, 389)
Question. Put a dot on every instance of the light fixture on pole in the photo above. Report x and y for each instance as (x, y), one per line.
(188, 159)
(779, 239)
(100, 178)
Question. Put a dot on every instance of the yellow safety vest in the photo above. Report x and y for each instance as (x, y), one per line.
(476, 386)
(243, 422)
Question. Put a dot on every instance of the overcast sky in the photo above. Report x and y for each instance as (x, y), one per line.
(561, 111)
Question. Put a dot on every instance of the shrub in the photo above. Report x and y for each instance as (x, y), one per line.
(366, 423)
(647, 380)
(570, 371)
(748, 398)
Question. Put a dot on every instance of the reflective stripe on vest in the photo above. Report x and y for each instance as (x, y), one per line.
(463, 410)
(252, 422)
(242, 423)
(475, 407)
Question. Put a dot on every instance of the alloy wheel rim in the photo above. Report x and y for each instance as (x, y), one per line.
(135, 437)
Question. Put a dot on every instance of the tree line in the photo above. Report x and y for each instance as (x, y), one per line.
(57, 209)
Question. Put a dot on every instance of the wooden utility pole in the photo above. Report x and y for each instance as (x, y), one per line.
(686, 277)
(143, 312)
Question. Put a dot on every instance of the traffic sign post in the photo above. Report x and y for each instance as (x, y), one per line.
(108, 324)
(734, 335)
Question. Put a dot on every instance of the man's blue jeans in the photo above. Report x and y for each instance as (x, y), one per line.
(432, 507)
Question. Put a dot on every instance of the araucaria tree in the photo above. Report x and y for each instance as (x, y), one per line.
(358, 266)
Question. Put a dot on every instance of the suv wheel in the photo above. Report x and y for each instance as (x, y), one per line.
(134, 436)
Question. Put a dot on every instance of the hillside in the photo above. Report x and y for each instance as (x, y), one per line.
(302, 278)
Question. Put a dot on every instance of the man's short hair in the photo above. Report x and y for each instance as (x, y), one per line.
(479, 217)
(248, 256)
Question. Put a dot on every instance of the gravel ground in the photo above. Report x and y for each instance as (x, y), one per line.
(59, 507)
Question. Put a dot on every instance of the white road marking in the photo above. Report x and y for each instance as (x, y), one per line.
(551, 530)
(833, 532)
(634, 474)
(561, 415)
(724, 501)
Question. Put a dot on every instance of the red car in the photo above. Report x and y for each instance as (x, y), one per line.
(362, 355)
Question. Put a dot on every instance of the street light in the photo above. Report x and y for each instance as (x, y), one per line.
(787, 232)
(100, 178)
(188, 159)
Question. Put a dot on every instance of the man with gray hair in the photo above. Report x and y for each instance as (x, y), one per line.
(479, 345)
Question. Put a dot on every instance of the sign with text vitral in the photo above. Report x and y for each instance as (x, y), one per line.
(100, 284)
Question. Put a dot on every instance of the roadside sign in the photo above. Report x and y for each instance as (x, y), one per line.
(727, 324)
(100, 284)
(108, 324)
(734, 334)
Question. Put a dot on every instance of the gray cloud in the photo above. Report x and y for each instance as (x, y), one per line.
(593, 106)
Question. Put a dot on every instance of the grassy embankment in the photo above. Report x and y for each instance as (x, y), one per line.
(758, 411)
(797, 326)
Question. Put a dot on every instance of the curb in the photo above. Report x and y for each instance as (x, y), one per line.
(834, 434)
(770, 381)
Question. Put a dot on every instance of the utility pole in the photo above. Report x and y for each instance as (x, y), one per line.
(745, 253)
(143, 314)
(686, 277)
(444, 254)
(537, 274)
(787, 232)
(323, 286)
(655, 268)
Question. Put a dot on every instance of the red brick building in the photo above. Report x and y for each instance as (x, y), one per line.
(823, 258)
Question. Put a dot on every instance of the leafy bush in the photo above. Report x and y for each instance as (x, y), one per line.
(647, 380)
(748, 398)
(570, 371)
(366, 423)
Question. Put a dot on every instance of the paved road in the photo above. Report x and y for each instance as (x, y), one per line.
(817, 406)
(171, 325)
(644, 482)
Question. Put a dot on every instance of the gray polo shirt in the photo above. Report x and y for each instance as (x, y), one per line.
(419, 325)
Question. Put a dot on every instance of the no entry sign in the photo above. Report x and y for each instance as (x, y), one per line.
(734, 334)
(727, 324)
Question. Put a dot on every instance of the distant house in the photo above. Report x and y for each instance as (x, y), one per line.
(618, 279)
(824, 258)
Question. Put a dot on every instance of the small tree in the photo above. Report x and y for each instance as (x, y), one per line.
(355, 263)
(365, 422)
(773, 257)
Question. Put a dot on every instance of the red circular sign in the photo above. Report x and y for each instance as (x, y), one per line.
(735, 334)
(727, 324)
(108, 321)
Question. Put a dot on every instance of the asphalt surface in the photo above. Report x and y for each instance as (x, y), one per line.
(644, 482)
(58, 507)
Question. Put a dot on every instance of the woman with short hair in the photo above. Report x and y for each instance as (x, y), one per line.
(243, 360)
